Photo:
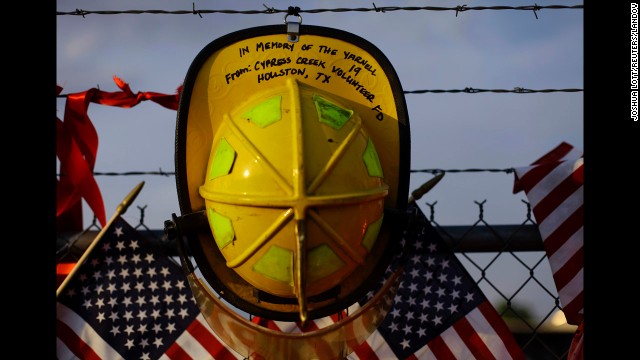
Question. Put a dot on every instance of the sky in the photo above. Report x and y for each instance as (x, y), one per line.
(435, 50)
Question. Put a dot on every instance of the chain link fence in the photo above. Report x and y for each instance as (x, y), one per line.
(507, 262)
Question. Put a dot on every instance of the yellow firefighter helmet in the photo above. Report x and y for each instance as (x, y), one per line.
(291, 158)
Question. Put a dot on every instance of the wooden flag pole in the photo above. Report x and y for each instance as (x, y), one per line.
(424, 188)
(121, 209)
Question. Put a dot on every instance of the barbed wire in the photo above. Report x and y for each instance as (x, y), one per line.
(160, 172)
(468, 90)
(271, 10)
(296, 10)
(438, 171)
(129, 173)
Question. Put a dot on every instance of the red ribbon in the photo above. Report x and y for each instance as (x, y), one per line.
(77, 143)
(576, 349)
(126, 98)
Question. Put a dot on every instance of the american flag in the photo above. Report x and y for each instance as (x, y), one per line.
(128, 301)
(439, 311)
(553, 185)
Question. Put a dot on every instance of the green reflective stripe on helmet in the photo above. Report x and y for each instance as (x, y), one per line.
(222, 160)
(265, 113)
(330, 113)
(371, 234)
(222, 229)
(322, 261)
(371, 160)
(275, 264)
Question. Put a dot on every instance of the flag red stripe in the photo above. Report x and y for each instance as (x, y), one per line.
(322, 346)
(569, 269)
(576, 350)
(558, 153)
(536, 174)
(558, 209)
(440, 349)
(500, 327)
(560, 235)
(470, 337)
(578, 175)
(308, 326)
(573, 310)
(209, 342)
(339, 316)
(74, 343)
(272, 325)
(269, 324)
(260, 321)
(365, 352)
(62, 270)
(555, 197)
(176, 352)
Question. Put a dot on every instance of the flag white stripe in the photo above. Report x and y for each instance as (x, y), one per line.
(573, 154)
(488, 335)
(324, 322)
(562, 254)
(549, 182)
(572, 289)
(204, 323)
(353, 356)
(192, 347)
(455, 343)
(63, 352)
(524, 170)
(231, 350)
(359, 328)
(425, 353)
(379, 345)
(561, 213)
(567, 250)
(288, 327)
(353, 308)
(85, 332)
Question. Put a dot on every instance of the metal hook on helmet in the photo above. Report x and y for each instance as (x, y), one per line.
(293, 28)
